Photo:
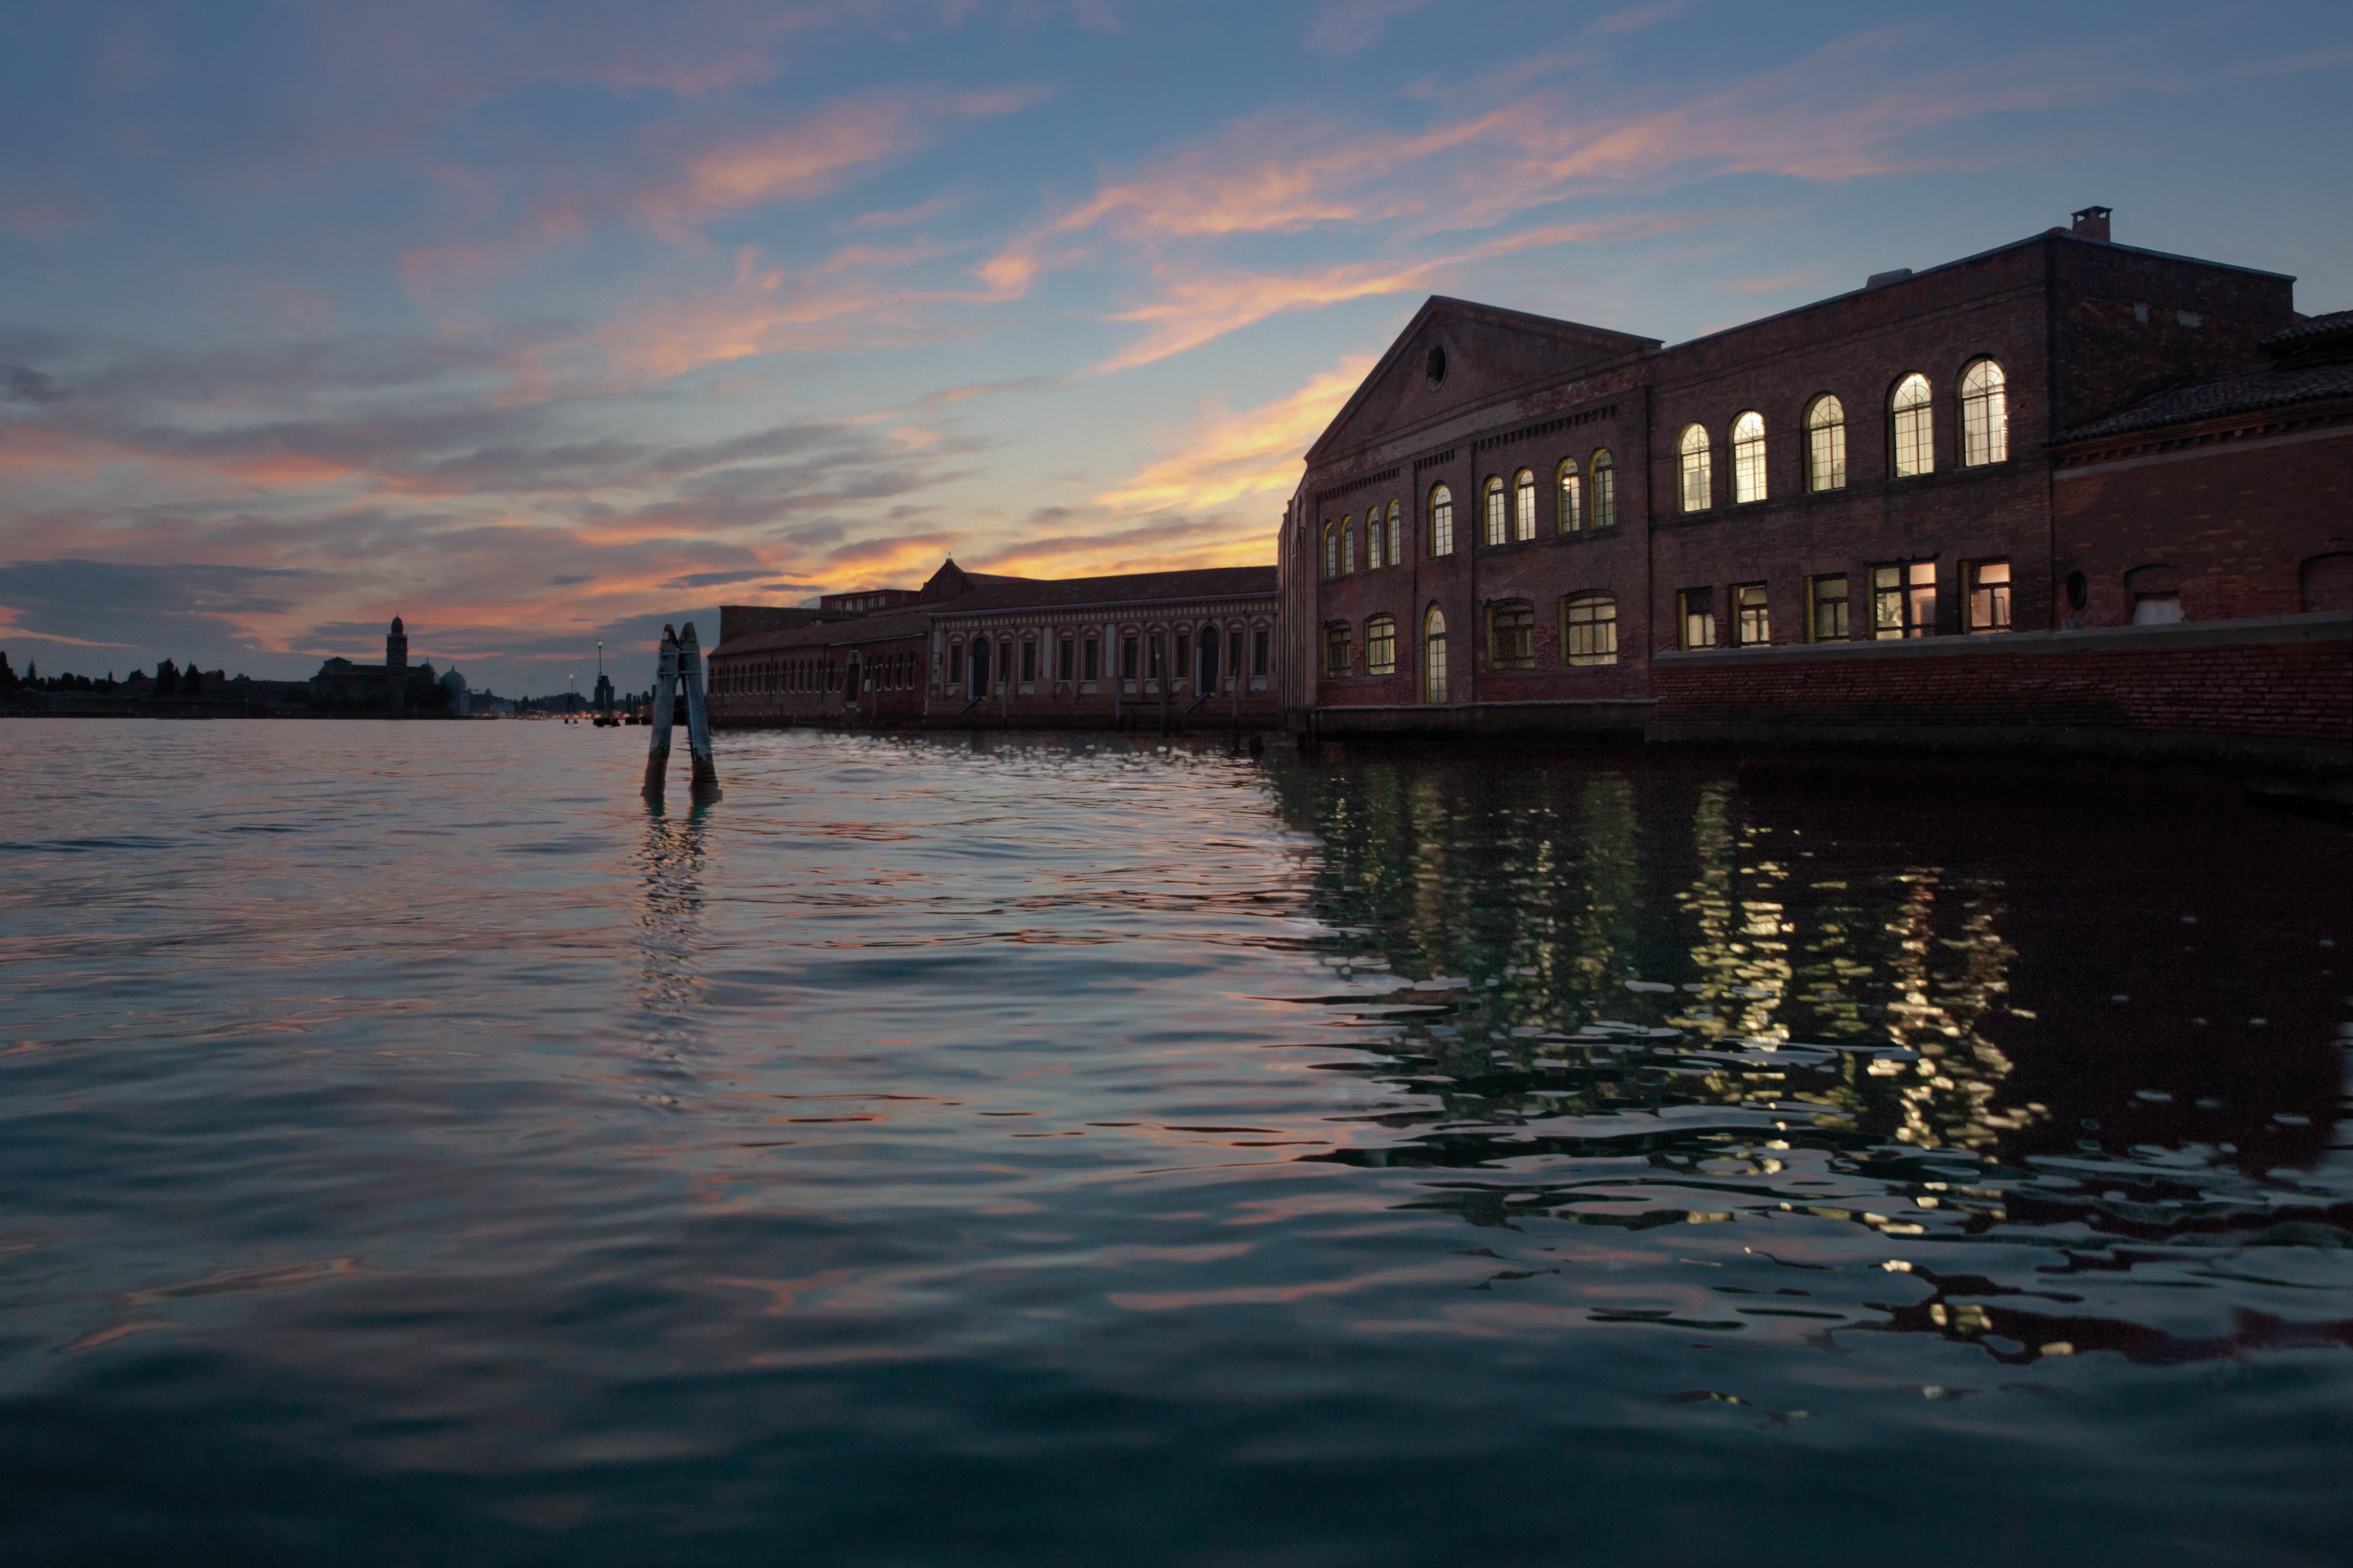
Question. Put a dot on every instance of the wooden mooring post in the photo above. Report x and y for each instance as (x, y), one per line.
(680, 673)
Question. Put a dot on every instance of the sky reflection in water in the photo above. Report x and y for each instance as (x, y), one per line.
(1032, 1150)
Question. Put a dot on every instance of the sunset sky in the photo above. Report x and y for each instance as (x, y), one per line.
(541, 322)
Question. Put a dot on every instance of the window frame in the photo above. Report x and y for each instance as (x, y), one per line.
(1995, 401)
(1348, 546)
(1515, 619)
(1751, 616)
(1434, 654)
(1603, 467)
(1995, 598)
(1748, 458)
(1815, 603)
(1825, 472)
(1568, 496)
(1923, 408)
(1695, 470)
(1380, 644)
(1397, 534)
(1339, 655)
(1524, 506)
(1694, 605)
(1331, 551)
(1376, 539)
(1495, 512)
(1905, 594)
(1598, 628)
(1442, 522)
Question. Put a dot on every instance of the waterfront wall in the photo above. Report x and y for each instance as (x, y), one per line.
(2277, 688)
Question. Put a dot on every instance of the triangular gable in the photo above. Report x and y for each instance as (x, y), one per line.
(1488, 351)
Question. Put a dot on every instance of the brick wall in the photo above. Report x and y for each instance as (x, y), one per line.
(2288, 680)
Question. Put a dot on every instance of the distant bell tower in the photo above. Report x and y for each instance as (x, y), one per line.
(396, 650)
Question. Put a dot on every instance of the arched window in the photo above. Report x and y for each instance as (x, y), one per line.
(1441, 521)
(1985, 414)
(1605, 490)
(1347, 545)
(1376, 535)
(1524, 504)
(1912, 439)
(1380, 644)
(1397, 534)
(1825, 443)
(1494, 510)
(1696, 486)
(1512, 635)
(1570, 492)
(1748, 459)
(1588, 630)
(1331, 550)
(1433, 656)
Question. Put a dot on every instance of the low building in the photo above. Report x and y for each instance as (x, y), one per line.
(1192, 650)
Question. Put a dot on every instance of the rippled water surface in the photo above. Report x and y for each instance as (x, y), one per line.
(1075, 1150)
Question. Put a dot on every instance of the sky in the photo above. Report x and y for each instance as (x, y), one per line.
(538, 323)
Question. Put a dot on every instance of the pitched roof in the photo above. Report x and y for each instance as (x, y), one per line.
(1126, 588)
(2312, 363)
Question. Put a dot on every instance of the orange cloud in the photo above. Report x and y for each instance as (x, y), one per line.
(1227, 456)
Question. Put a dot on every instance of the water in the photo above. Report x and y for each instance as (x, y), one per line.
(1039, 1150)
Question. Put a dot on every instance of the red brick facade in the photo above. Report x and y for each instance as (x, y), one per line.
(1958, 497)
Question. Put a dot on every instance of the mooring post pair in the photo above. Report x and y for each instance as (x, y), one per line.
(682, 666)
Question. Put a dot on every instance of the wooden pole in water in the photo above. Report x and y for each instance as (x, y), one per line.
(665, 698)
(705, 777)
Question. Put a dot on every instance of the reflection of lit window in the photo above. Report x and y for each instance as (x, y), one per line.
(1605, 490)
(1512, 635)
(1989, 597)
(1692, 452)
(1336, 649)
(1572, 515)
(1748, 459)
(1380, 644)
(1985, 414)
(1524, 505)
(1588, 633)
(1433, 656)
(1826, 608)
(1695, 609)
(1903, 601)
(1911, 440)
(1826, 445)
(1754, 627)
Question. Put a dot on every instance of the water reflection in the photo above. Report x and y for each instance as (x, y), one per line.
(671, 991)
(1642, 994)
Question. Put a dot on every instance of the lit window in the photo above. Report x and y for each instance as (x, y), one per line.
(1692, 448)
(1512, 636)
(1331, 551)
(1572, 514)
(1495, 512)
(1588, 630)
(1695, 612)
(1375, 539)
(1826, 445)
(1826, 608)
(1755, 627)
(1441, 521)
(1605, 490)
(1748, 459)
(1911, 436)
(1347, 545)
(1989, 597)
(1433, 656)
(1903, 601)
(1335, 648)
(1380, 645)
(1396, 532)
(1984, 415)
(1524, 505)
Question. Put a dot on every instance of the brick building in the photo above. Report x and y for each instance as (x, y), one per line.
(1523, 524)
(1191, 650)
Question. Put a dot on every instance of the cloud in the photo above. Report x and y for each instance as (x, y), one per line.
(1343, 27)
(710, 579)
(1634, 18)
(1225, 457)
(23, 383)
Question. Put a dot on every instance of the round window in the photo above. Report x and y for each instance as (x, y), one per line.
(1436, 366)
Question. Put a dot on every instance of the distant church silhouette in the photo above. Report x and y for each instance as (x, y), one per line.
(341, 680)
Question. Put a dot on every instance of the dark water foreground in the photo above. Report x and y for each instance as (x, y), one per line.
(1007, 1152)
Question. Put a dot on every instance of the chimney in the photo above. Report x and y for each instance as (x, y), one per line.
(2092, 223)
